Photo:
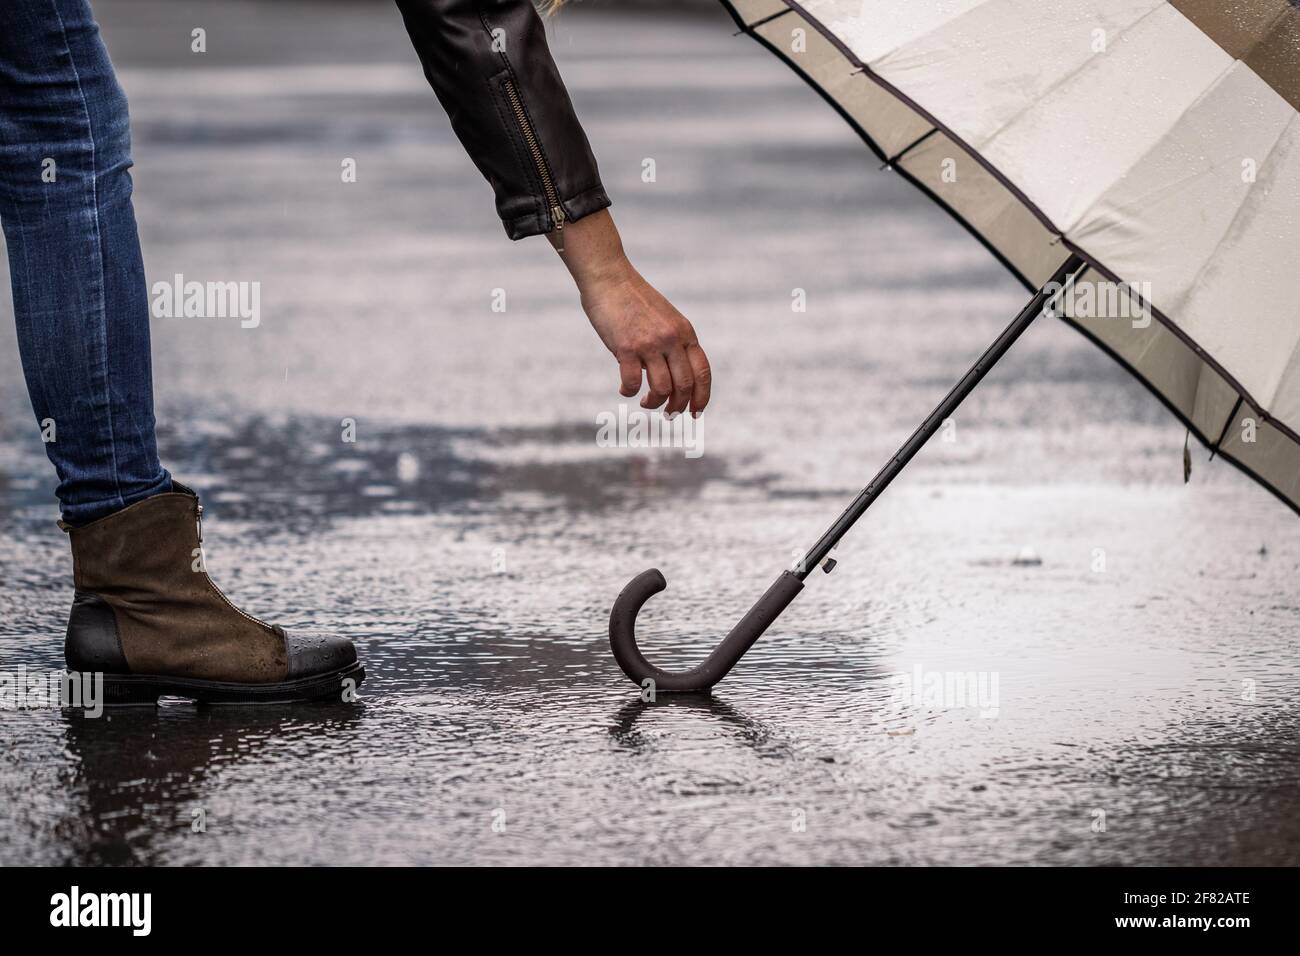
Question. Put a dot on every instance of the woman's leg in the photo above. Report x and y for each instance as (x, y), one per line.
(145, 615)
(79, 290)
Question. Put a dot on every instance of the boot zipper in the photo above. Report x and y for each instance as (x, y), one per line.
(534, 147)
(198, 519)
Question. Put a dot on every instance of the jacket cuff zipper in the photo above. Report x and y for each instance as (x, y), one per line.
(539, 160)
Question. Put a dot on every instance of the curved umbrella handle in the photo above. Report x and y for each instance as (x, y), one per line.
(622, 634)
(622, 619)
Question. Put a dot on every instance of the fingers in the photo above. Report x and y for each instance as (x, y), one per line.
(703, 378)
(629, 371)
(683, 381)
(661, 381)
(680, 376)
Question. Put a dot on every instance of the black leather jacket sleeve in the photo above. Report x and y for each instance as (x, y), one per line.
(488, 63)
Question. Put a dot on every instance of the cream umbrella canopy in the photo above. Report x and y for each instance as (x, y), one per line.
(1136, 162)
(1157, 139)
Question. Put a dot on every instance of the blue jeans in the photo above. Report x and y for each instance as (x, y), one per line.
(80, 297)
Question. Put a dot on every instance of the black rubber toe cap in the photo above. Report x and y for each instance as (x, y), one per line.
(312, 654)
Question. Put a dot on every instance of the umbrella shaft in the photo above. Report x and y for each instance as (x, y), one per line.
(1041, 300)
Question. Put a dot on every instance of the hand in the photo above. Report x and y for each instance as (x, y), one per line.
(636, 323)
(644, 331)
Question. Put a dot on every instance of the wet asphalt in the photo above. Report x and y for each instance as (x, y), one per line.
(1132, 640)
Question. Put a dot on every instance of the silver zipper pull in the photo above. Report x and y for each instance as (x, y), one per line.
(557, 216)
(198, 518)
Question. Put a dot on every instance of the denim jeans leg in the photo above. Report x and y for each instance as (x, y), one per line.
(79, 290)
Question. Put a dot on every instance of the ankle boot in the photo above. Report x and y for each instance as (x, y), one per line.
(147, 616)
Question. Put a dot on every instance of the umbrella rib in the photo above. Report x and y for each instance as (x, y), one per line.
(750, 27)
(860, 66)
(1181, 416)
(1061, 81)
(1206, 357)
(1256, 404)
(1195, 282)
(1243, 394)
(907, 149)
(915, 37)
(1264, 35)
(1232, 417)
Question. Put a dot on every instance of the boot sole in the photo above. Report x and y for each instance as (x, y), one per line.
(124, 690)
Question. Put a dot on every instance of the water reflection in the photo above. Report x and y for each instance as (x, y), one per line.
(143, 777)
(418, 469)
(624, 728)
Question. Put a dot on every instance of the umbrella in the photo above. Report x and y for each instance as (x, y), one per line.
(1135, 163)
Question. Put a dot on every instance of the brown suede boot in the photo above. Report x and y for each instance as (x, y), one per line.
(149, 618)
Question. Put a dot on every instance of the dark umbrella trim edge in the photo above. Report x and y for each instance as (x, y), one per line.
(793, 5)
(1174, 410)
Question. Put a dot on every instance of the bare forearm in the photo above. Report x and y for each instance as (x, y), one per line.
(591, 249)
